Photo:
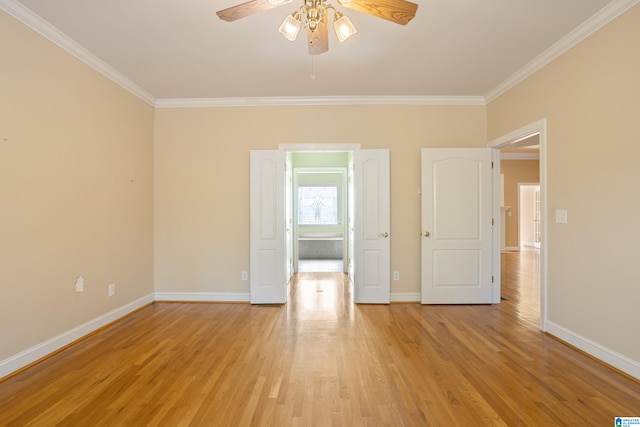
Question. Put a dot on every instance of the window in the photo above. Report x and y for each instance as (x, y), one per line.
(318, 205)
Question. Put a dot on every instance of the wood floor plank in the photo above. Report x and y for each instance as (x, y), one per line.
(322, 360)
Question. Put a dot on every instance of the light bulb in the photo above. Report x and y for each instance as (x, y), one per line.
(290, 27)
(343, 27)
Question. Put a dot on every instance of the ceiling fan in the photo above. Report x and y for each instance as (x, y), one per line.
(316, 13)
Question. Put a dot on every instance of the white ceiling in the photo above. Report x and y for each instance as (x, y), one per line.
(180, 49)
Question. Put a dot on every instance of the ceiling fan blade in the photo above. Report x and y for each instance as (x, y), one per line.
(243, 10)
(398, 11)
(319, 39)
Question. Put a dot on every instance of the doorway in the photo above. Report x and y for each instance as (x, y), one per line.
(320, 209)
(271, 222)
(530, 140)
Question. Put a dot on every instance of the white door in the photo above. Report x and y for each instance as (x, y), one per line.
(351, 220)
(288, 220)
(457, 243)
(371, 227)
(268, 282)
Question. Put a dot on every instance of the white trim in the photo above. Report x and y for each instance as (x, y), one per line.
(42, 27)
(518, 134)
(327, 100)
(497, 196)
(36, 23)
(319, 147)
(202, 296)
(519, 156)
(39, 351)
(405, 297)
(539, 127)
(590, 26)
(615, 359)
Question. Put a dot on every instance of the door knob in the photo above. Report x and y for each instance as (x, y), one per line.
(426, 234)
(385, 234)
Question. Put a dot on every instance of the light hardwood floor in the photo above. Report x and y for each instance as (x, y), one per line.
(321, 360)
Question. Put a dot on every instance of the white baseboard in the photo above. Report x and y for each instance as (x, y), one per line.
(45, 348)
(231, 297)
(618, 361)
(202, 297)
(405, 297)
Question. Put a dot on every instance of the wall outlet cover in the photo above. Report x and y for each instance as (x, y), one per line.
(80, 284)
(561, 216)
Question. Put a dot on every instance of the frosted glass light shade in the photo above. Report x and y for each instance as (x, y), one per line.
(278, 2)
(343, 27)
(290, 27)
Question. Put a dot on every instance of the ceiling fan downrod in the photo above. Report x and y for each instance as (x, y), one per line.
(315, 11)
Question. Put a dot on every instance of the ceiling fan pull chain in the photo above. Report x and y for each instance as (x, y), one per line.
(312, 76)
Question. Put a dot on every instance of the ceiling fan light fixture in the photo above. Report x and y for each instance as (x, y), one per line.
(343, 27)
(290, 27)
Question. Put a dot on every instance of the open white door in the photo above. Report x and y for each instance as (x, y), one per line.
(351, 220)
(288, 220)
(268, 281)
(457, 245)
(372, 227)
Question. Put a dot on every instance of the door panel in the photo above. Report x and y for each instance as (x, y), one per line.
(350, 213)
(372, 227)
(268, 282)
(457, 216)
(288, 220)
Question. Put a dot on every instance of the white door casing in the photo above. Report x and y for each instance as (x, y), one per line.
(268, 282)
(457, 233)
(372, 227)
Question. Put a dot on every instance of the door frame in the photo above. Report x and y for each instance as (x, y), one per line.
(327, 147)
(540, 128)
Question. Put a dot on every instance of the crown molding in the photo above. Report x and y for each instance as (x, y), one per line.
(42, 27)
(36, 23)
(590, 26)
(331, 100)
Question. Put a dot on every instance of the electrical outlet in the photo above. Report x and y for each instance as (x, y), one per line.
(561, 216)
(112, 289)
(80, 284)
(244, 275)
(396, 275)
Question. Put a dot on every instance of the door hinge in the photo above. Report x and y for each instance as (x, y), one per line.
(491, 279)
(493, 221)
(491, 165)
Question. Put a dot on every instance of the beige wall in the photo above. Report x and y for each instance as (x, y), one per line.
(78, 183)
(76, 174)
(589, 96)
(202, 179)
(516, 172)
